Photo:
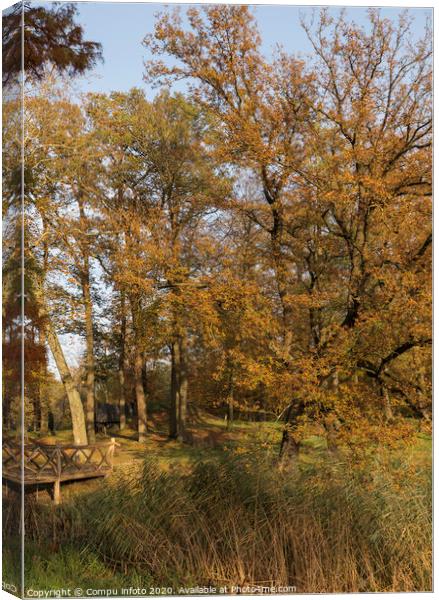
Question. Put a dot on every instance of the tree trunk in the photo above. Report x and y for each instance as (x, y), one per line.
(289, 447)
(44, 425)
(90, 363)
(230, 397)
(75, 404)
(179, 385)
(230, 408)
(281, 271)
(142, 424)
(44, 400)
(182, 396)
(73, 396)
(122, 401)
(42, 391)
(88, 314)
(140, 395)
(173, 425)
(37, 409)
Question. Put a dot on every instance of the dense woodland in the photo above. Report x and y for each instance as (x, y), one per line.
(259, 245)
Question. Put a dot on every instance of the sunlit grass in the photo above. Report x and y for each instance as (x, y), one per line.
(227, 513)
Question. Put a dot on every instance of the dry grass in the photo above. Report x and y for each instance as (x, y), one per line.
(323, 525)
(239, 521)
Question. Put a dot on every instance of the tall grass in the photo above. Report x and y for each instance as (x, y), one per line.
(322, 527)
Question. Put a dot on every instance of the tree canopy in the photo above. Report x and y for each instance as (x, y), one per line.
(260, 244)
(49, 36)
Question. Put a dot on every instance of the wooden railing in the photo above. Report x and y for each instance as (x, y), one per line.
(38, 462)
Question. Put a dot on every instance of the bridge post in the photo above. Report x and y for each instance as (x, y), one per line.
(57, 483)
(57, 492)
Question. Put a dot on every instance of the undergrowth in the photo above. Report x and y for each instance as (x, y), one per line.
(327, 526)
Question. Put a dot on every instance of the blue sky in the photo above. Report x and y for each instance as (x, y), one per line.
(120, 28)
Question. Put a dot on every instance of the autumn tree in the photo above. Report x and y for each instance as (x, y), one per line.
(46, 200)
(171, 186)
(51, 38)
(123, 257)
(76, 225)
(341, 149)
(260, 111)
(259, 108)
(371, 173)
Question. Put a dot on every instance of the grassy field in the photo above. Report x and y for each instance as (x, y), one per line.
(218, 512)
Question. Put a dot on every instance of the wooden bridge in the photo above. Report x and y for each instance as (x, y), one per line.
(38, 462)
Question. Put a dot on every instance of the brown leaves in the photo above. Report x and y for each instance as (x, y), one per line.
(279, 217)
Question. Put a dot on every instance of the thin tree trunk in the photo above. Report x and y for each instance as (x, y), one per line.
(75, 404)
(123, 334)
(183, 385)
(90, 363)
(89, 337)
(179, 385)
(122, 410)
(331, 424)
(44, 400)
(281, 272)
(230, 396)
(289, 448)
(140, 395)
(36, 412)
(44, 425)
(122, 401)
(43, 396)
(142, 424)
(173, 424)
(230, 402)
